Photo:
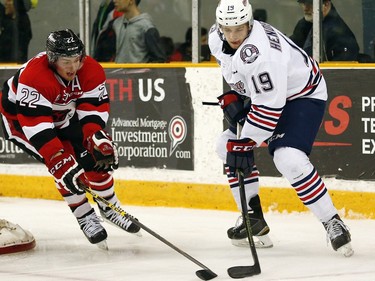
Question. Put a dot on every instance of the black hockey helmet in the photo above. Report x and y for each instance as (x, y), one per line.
(64, 43)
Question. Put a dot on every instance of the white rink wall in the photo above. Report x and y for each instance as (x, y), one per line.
(205, 85)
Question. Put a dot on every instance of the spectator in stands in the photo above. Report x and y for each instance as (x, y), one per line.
(15, 30)
(137, 38)
(184, 51)
(103, 38)
(339, 42)
(260, 15)
(168, 46)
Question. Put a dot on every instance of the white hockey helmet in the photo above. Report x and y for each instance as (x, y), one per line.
(234, 12)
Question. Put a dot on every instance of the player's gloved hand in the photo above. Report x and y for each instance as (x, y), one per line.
(67, 172)
(240, 156)
(232, 105)
(104, 151)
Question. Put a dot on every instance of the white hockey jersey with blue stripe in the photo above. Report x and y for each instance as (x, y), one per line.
(270, 69)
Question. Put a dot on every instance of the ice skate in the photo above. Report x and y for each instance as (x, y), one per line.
(259, 228)
(338, 234)
(118, 220)
(93, 230)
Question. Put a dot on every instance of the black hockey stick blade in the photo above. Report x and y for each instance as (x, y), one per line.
(206, 274)
(243, 271)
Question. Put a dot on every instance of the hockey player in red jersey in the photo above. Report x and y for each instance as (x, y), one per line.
(288, 95)
(56, 108)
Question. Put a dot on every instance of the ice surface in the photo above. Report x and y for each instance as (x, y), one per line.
(300, 251)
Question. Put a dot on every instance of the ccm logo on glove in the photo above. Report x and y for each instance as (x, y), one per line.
(66, 172)
(240, 148)
(242, 145)
(240, 156)
(61, 163)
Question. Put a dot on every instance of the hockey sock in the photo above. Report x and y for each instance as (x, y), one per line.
(296, 167)
(251, 185)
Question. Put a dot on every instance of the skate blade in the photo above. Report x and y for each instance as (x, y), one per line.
(263, 241)
(346, 250)
(102, 245)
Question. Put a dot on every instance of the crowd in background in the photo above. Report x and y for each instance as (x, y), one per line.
(124, 33)
(15, 30)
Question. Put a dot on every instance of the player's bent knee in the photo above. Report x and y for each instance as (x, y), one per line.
(291, 162)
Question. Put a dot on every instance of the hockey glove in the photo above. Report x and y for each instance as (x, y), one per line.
(104, 151)
(233, 107)
(67, 172)
(240, 156)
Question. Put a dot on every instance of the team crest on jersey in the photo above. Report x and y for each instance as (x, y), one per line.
(239, 87)
(66, 96)
(249, 53)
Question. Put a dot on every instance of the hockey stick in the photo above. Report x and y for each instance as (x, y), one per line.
(250, 270)
(204, 274)
(209, 103)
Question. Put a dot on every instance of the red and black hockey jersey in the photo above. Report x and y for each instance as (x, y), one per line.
(42, 102)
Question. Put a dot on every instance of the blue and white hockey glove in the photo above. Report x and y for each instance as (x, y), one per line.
(232, 105)
(240, 156)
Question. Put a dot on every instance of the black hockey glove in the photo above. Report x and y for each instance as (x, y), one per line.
(240, 156)
(104, 151)
(232, 105)
(67, 172)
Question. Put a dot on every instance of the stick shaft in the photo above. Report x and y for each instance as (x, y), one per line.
(209, 103)
(246, 218)
(244, 208)
(141, 225)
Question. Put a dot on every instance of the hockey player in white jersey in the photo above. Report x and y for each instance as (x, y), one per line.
(288, 95)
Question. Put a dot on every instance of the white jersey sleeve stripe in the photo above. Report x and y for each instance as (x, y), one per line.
(264, 117)
(98, 92)
(310, 87)
(103, 115)
(30, 131)
(262, 124)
